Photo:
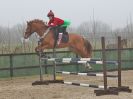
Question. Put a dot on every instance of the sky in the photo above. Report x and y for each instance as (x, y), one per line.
(116, 13)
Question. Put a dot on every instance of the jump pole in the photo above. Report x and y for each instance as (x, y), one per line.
(82, 84)
(40, 62)
(85, 74)
(42, 81)
(40, 69)
(54, 64)
(120, 87)
(106, 90)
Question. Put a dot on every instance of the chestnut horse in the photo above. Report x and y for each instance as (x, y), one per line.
(76, 43)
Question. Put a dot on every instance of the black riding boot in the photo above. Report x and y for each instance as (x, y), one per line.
(55, 30)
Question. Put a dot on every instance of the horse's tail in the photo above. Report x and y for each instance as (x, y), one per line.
(88, 46)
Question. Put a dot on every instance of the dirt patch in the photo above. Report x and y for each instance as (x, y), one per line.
(21, 88)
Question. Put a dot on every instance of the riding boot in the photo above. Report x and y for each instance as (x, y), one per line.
(66, 33)
(55, 43)
(55, 30)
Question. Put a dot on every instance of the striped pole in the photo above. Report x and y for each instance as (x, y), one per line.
(80, 60)
(85, 74)
(72, 59)
(91, 62)
(83, 85)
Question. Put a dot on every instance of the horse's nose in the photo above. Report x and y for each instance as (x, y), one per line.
(25, 36)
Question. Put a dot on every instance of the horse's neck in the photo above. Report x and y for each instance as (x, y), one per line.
(44, 32)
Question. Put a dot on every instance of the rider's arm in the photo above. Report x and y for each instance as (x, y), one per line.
(52, 24)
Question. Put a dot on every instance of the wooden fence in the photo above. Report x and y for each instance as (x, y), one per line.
(11, 68)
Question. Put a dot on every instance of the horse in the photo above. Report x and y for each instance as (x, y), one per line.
(77, 44)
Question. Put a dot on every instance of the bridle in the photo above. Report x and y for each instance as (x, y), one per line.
(40, 37)
(29, 32)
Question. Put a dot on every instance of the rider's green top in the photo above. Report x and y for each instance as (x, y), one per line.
(66, 23)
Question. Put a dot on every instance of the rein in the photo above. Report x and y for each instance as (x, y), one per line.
(45, 33)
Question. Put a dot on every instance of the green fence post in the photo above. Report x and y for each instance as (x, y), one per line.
(11, 66)
(77, 65)
(45, 65)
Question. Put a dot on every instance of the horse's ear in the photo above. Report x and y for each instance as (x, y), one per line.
(27, 22)
(46, 24)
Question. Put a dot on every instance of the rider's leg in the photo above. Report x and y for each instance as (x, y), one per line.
(55, 30)
(64, 30)
(60, 35)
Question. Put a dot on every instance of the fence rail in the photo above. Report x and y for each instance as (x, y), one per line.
(12, 67)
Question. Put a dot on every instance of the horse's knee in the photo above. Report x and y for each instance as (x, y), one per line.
(38, 49)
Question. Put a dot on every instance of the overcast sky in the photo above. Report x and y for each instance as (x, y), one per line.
(113, 12)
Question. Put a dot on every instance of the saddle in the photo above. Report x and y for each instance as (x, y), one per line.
(65, 36)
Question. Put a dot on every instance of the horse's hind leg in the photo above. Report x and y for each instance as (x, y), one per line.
(81, 51)
(83, 47)
(76, 51)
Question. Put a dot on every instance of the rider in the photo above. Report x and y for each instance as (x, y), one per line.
(58, 25)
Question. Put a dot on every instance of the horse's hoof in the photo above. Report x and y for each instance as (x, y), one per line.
(48, 56)
(88, 66)
(44, 56)
(37, 53)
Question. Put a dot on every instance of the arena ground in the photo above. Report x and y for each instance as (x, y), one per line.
(21, 88)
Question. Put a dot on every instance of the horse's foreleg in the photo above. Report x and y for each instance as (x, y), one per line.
(40, 48)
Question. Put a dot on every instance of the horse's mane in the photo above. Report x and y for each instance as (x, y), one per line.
(37, 21)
